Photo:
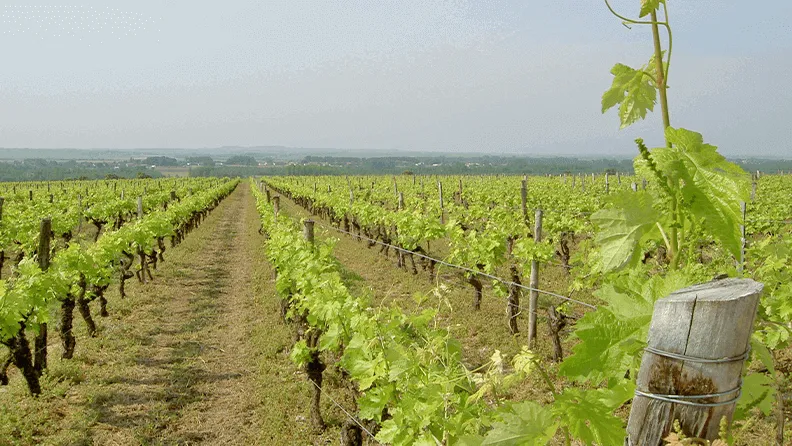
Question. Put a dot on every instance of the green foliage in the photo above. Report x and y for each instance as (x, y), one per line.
(522, 424)
(631, 220)
(633, 90)
(647, 6)
(711, 187)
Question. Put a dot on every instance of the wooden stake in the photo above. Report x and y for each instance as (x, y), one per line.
(524, 200)
(698, 343)
(743, 242)
(442, 210)
(308, 231)
(533, 303)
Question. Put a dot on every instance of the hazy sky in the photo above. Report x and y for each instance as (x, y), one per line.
(470, 75)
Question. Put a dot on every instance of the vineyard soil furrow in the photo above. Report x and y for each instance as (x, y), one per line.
(177, 362)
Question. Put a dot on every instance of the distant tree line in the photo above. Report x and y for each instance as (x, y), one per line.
(44, 170)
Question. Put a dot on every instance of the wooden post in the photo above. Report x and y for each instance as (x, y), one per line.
(533, 303)
(524, 200)
(698, 343)
(618, 178)
(741, 265)
(80, 207)
(269, 197)
(442, 210)
(2, 201)
(607, 184)
(173, 195)
(401, 201)
(51, 198)
(634, 187)
(30, 194)
(351, 196)
(308, 231)
(276, 205)
(140, 206)
(43, 254)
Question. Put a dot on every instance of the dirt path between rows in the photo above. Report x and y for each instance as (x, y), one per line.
(193, 370)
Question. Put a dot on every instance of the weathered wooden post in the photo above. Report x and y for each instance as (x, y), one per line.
(308, 231)
(743, 241)
(79, 206)
(524, 200)
(43, 254)
(276, 205)
(691, 370)
(533, 302)
(634, 187)
(140, 206)
(30, 195)
(442, 210)
(607, 183)
(269, 197)
(401, 201)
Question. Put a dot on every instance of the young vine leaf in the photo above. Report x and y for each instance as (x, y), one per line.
(633, 90)
(712, 186)
(647, 6)
(622, 228)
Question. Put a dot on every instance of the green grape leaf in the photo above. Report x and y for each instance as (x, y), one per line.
(602, 337)
(633, 91)
(757, 391)
(763, 353)
(526, 423)
(712, 186)
(588, 417)
(622, 227)
(647, 6)
(613, 336)
(374, 401)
